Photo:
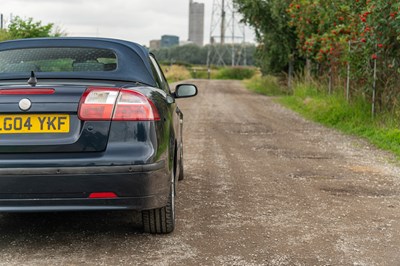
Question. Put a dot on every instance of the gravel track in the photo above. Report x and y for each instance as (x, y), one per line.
(263, 186)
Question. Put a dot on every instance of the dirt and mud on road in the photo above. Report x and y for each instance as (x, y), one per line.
(263, 187)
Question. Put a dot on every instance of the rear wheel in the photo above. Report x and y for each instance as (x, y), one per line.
(161, 220)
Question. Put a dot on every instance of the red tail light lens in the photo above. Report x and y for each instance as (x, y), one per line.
(116, 104)
(97, 104)
(103, 195)
(134, 106)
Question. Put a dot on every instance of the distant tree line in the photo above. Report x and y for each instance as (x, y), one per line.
(217, 54)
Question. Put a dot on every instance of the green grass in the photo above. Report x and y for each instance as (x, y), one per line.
(199, 74)
(268, 85)
(237, 73)
(352, 118)
(175, 73)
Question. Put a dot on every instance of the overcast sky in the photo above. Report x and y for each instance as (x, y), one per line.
(134, 20)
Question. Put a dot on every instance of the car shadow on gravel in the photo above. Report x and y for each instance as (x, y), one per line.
(35, 226)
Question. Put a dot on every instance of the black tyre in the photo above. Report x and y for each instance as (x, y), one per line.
(181, 175)
(161, 220)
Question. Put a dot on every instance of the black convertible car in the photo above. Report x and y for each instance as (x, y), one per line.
(89, 124)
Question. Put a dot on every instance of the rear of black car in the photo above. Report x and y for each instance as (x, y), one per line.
(86, 134)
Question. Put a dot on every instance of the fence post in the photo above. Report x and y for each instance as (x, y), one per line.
(348, 75)
(330, 81)
(374, 89)
(291, 59)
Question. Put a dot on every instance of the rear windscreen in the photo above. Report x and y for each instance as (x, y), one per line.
(57, 59)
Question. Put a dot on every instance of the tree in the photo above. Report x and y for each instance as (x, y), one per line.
(20, 29)
(4, 35)
(353, 40)
(277, 38)
(361, 35)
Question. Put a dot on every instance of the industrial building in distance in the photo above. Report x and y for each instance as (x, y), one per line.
(165, 42)
(196, 29)
(169, 41)
(196, 22)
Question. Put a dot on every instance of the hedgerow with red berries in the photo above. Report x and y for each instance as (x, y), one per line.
(340, 32)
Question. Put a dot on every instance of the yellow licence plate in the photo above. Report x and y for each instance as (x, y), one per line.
(34, 123)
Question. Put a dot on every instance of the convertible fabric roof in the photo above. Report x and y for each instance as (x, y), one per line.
(133, 59)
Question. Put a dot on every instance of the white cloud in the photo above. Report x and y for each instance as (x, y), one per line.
(135, 20)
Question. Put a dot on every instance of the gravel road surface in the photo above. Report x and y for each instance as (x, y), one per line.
(263, 187)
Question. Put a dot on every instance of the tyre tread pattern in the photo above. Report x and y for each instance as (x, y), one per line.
(160, 220)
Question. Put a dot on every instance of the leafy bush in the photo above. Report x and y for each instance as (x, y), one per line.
(339, 39)
(238, 73)
(267, 85)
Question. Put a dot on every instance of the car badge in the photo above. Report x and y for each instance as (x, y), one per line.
(25, 104)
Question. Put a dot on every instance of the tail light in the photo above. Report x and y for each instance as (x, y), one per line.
(104, 104)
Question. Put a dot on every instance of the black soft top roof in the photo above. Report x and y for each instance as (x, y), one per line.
(133, 59)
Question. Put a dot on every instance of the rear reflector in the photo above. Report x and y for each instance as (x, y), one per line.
(104, 104)
(103, 195)
(26, 91)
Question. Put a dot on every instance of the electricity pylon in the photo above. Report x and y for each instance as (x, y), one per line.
(231, 36)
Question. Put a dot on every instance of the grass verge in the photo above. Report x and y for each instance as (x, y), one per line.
(237, 73)
(353, 118)
(268, 85)
(311, 101)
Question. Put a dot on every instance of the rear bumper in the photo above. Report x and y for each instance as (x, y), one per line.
(138, 187)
